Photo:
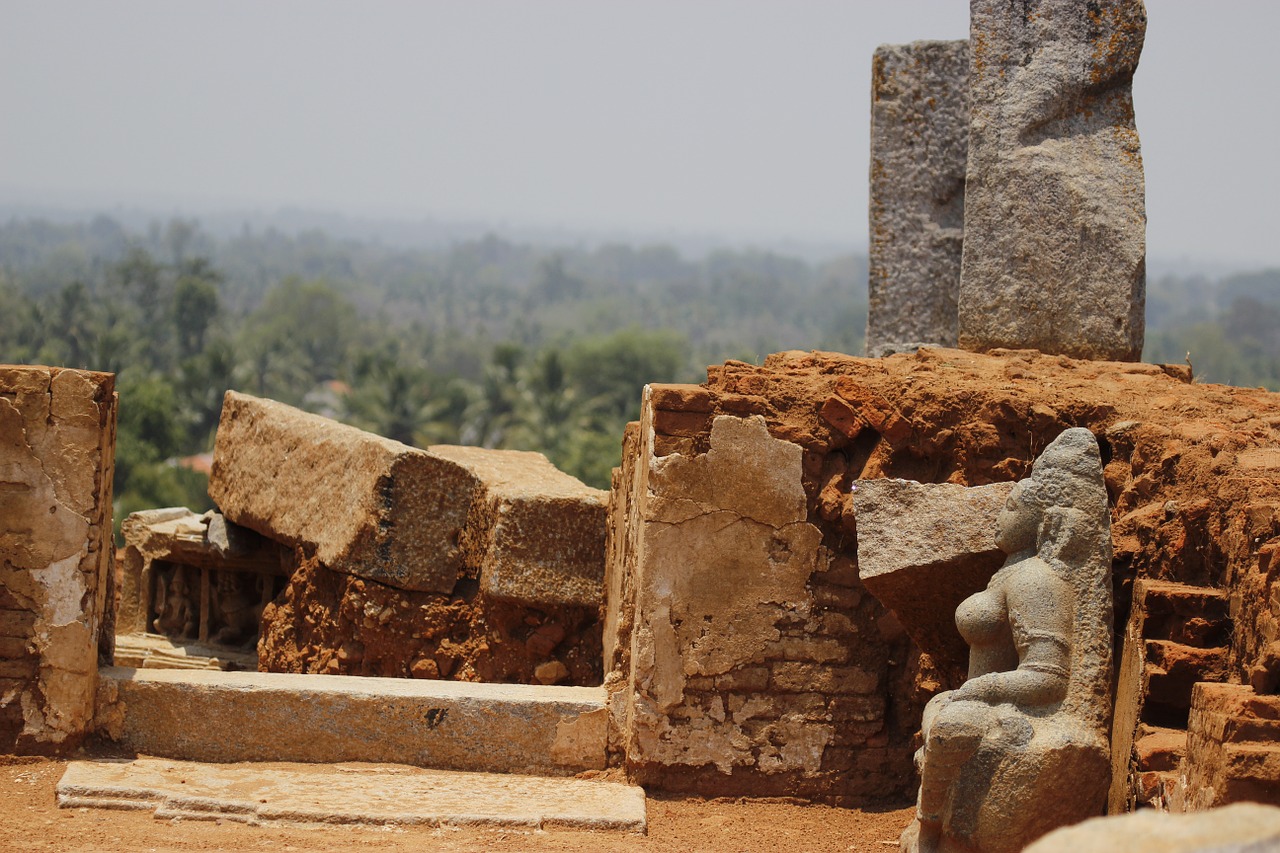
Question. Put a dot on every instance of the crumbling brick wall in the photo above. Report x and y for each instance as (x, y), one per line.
(1194, 488)
(57, 448)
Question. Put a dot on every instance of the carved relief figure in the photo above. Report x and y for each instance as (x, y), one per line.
(234, 604)
(176, 613)
(1021, 747)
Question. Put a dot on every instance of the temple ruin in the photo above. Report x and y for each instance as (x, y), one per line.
(763, 604)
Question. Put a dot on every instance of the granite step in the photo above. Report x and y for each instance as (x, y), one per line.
(357, 794)
(212, 716)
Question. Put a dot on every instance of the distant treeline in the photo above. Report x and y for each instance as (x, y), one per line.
(487, 342)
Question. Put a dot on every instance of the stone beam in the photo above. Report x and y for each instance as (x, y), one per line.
(922, 549)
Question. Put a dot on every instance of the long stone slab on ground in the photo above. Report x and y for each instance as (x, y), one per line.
(363, 504)
(201, 715)
(349, 793)
(536, 535)
(925, 547)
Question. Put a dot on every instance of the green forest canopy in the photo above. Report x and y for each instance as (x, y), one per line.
(487, 342)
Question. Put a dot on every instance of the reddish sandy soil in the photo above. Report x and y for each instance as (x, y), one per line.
(29, 820)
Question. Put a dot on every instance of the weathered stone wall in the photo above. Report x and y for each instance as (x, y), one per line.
(919, 146)
(826, 703)
(452, 562)
(57, 451)
(744, 657)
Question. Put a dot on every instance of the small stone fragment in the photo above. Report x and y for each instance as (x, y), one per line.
(551, 672)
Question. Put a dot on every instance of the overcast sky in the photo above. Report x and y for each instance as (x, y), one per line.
(739, 118)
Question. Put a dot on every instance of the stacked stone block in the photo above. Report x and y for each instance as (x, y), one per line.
(1233, 748)
(746, 657)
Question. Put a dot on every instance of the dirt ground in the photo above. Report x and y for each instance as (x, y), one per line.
(30, 820)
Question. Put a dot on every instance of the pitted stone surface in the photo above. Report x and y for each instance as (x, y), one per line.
(349, 793)
(1241, 828)
(1055, 217)
(534, 534)
(362, 504)
(919, 142)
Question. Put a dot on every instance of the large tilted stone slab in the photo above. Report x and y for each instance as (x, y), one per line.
(925, 547)
(1055, 218)
(536, 534)
(363, 504)
(359, 794)
(919, 142)
(254, 716)
(415, 519)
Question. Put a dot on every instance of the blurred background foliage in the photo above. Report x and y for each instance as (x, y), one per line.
(485, 342)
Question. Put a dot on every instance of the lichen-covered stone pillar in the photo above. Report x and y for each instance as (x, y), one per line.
(57, 452)
(1054, 211)
(919, 141)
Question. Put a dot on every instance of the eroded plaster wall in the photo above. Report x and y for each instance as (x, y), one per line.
(730, 625)
(57, 447)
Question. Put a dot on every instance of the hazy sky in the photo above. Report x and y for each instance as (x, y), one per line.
(739, 118)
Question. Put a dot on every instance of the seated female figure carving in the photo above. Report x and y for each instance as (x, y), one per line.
(1021, 747)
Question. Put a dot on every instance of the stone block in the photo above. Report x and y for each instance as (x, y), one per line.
(1054, 210)
(922, 549)
(534, 534)
(919, 143)
(256, 716)
(322, 796)
(360, 503)
(1244, 827)
(57, 451)
(415, 519)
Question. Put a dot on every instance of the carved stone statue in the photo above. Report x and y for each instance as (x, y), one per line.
(1021, 747)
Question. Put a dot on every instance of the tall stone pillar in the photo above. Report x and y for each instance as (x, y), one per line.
(57, 452)
(1055, 216)
(919, 139)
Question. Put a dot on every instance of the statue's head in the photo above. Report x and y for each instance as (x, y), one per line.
(1063, 475)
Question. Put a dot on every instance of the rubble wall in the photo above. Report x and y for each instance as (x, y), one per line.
(339, 624)
(802, 683)
(57, 451)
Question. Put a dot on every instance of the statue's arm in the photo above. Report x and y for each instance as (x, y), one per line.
(1040, 609)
